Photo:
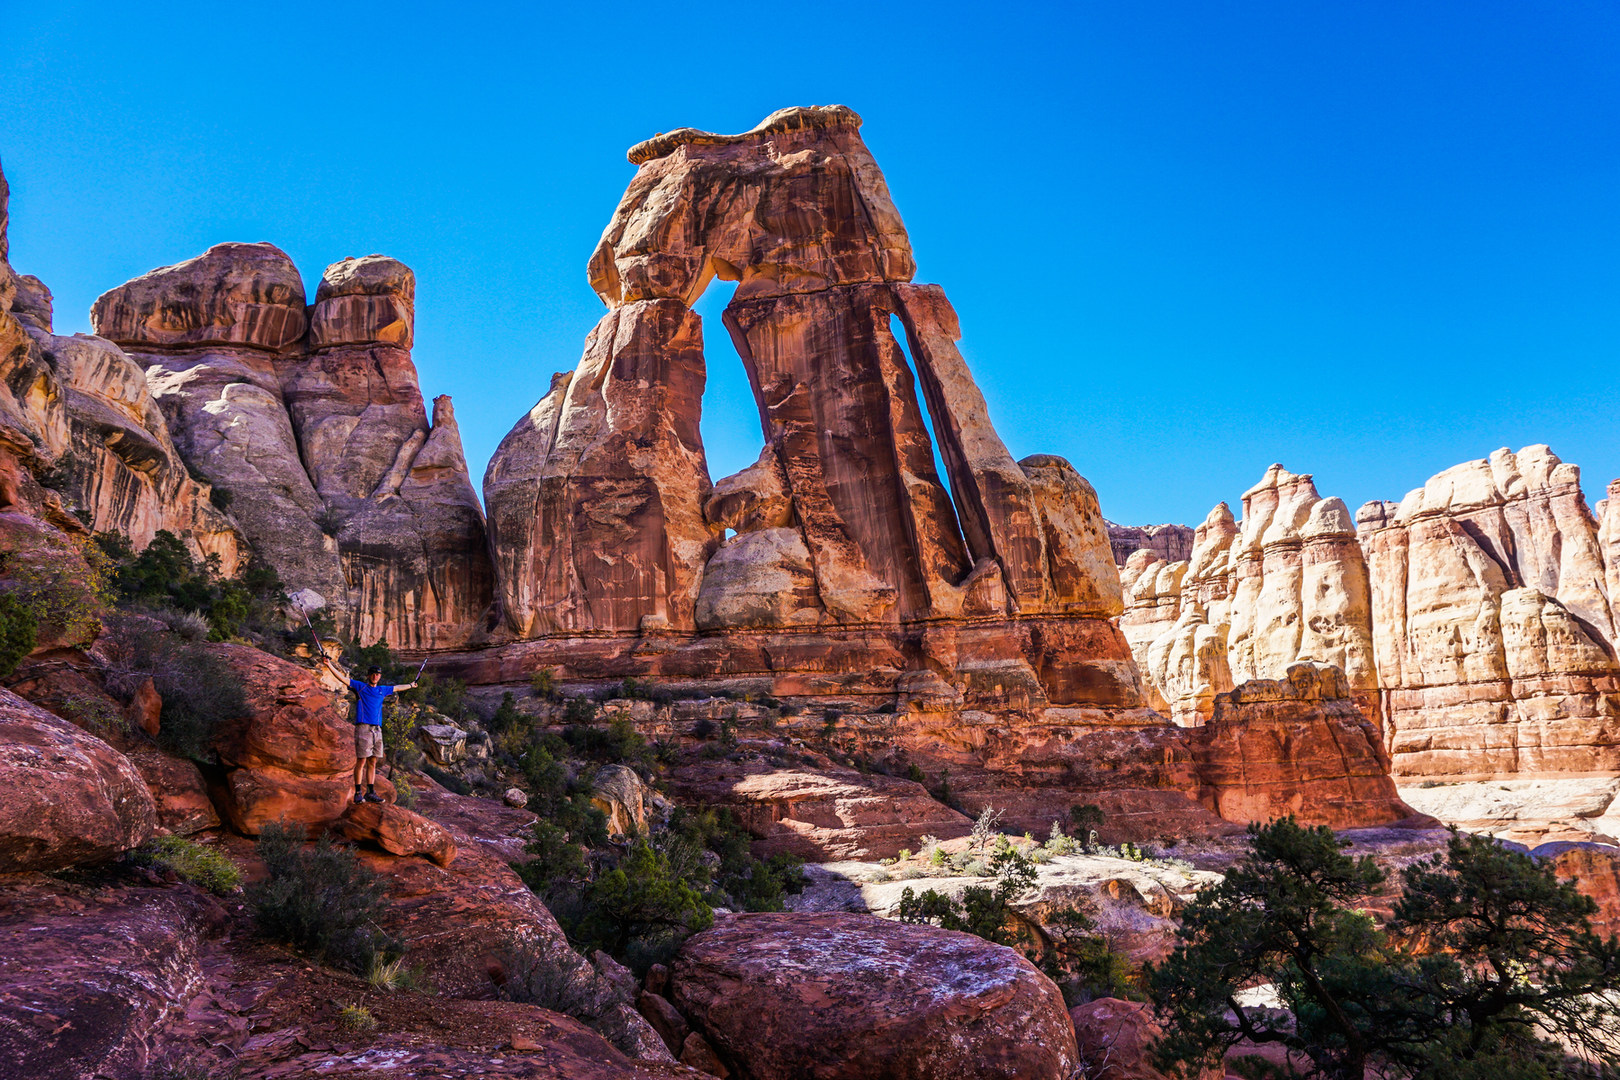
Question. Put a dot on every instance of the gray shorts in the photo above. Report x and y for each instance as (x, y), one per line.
(367, 741)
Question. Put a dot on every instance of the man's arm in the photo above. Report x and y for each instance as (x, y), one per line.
(405, 686)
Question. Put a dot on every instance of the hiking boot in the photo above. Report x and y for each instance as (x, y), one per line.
(372, 796)
(359, 798)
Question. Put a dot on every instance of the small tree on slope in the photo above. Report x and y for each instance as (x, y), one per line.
(1488, 956)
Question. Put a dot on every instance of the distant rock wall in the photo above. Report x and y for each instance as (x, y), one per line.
(1474, 616)
(1172, 543)
(311, 418)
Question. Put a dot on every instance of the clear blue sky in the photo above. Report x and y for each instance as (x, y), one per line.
(1366, 239)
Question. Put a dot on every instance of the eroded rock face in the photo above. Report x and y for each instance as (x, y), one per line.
(315, 427)
(1492, 625)
(1289, 584)
(1298, 746)
(1473, 618)
(843, 536)
(70, 798)
(292, 757)
(838, 995)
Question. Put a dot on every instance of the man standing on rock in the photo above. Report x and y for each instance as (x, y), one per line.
(368, 741)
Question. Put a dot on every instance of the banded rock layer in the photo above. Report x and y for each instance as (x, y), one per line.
(1476, 615)
(842, 543)
(312, 419)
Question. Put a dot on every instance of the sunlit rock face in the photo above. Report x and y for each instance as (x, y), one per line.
(312, 420)
(1493, 626)
(1289, 584)
(844, 537)
(1474, 617)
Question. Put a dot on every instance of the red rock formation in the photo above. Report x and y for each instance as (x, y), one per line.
(397, 831)
(1296, 746)
(316, 428)
(69, 797)
(1595, 869)
(88, 976)
(822, 815)
(292, 757)
(853, 996)
(1116, 1038)
(850, 555)
(1172, 543)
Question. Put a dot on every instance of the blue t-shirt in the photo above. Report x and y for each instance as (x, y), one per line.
(369, 710)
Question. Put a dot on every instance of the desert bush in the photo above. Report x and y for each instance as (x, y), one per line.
(19, 627)
(199, 690)
(447, 780)
(192, 862)
(393, 975)
(319, 899)
(404, 792)
(573, 989)
(356, 1017)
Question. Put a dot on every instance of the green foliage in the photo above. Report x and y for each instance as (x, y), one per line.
(445, 696)
(64, 585)
(319, 899)
(447, 780)
(554, 859)
(361, 659)
(544, 684)
(740, 881)
(404, 792)
(579, 710)
(1488, 956)
(199, 690)
(356, 1018)
(19, 627)
(165, 575)
(201, 866)
(643, 901)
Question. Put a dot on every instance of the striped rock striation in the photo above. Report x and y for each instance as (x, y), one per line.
(311, 418)
(1476, 617)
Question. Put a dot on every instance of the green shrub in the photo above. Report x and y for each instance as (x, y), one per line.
(641, 901)
(192, 862)
(356, 1018)
(554, 859)
(19, 627)
(165, 575)
(321, 900)
(199, 690)
(404, 792)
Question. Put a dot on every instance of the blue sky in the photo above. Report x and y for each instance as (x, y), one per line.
(1368, 240)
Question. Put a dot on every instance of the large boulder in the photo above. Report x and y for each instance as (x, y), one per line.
(836, 996)
(1116, 1039)
(819, 814)
(69, 797)
(291, 758)
(397, 831)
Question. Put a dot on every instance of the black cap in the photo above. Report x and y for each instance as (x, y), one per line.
(374, 670)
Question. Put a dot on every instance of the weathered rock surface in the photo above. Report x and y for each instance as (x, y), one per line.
(69, 797)
(179, 793)
(313, 422)
(1116, 1038)
(292, 757)
(1289, 584)
(834, 995)
(824, 814)
(1473, 618)
(1492, 626)
(1595, 868)
(843, 534)
(1172, 543)
(397, 831)
(88, 977)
